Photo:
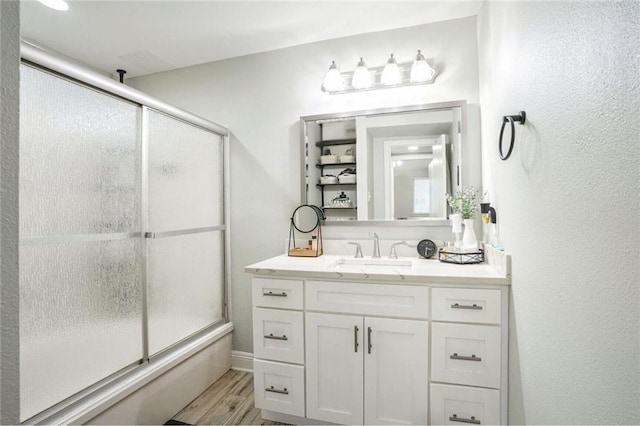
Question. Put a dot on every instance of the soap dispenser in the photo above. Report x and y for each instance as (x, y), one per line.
(489, 220)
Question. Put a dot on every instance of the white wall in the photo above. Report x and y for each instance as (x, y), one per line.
(261, 97)
(9, 137)
(568, 203)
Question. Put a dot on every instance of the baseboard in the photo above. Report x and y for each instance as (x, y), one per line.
(242, 361)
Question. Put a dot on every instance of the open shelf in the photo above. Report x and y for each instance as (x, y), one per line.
(336, 142)
(334, 164)
(339, 208)
(343, 212)
(320, 185)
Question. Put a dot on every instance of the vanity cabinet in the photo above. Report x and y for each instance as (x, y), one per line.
(380, 351)
(366, 369)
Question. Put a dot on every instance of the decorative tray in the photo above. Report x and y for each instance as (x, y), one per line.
(461, 257)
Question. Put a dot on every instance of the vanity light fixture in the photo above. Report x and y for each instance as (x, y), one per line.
(392, 75)
(55, 4)
(420, 70)
(361, 77)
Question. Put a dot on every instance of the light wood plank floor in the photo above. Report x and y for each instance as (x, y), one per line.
(229, 401)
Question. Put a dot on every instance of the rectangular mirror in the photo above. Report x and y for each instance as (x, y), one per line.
(390, 164)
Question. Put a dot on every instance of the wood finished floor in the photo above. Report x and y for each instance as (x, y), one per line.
(229, 401)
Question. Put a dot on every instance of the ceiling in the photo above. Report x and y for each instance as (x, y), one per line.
(150, 36)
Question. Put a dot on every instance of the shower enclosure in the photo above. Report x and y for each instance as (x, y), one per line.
(123, 231)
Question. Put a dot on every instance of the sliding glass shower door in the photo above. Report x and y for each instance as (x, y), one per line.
(80, 246)
(185, 229)
(122, 245)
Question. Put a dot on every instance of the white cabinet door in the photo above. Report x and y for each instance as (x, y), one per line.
(396, 378)
(334, 345)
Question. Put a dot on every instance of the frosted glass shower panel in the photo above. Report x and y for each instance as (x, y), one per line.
(186, 286)
(80, 317)
(185, 175)
(79, 158)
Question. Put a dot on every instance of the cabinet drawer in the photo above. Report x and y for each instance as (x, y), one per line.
(279, 387)
(278, 335)
(367, 299)
(459, 405)
(275, 293)
(465, 354)
(466, 305)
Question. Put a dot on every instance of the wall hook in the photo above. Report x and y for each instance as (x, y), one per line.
(520, 118)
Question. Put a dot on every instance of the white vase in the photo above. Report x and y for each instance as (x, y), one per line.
(469, 239)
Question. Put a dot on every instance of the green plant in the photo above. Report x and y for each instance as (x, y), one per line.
(465, 201)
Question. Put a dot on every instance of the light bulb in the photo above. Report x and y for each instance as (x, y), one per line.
(420, 70)
(361, 77)
(333, 80)
(391, 73)
(55, 4)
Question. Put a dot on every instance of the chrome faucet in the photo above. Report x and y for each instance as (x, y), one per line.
(376, 246)
(358, 249)
(393, 254)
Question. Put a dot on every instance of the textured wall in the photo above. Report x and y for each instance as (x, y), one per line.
(9, 291)
(568, 203)
(261, 97)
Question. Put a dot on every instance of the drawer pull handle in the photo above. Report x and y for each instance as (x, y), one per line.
(466, 358)
(369, 339)
(271, 336)
(472, 307)
(472, 420)
(272, 389)
(272, 294)
(355, 338)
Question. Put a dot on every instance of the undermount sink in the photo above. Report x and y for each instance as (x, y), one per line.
(368, 262)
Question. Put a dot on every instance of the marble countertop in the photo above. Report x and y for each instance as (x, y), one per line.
(414, 271)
